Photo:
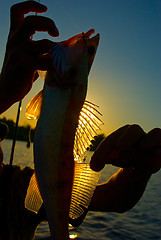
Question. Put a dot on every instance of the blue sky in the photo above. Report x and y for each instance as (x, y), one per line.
(125, 80)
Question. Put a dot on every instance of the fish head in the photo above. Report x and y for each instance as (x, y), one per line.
(71, 58)
(89, 44)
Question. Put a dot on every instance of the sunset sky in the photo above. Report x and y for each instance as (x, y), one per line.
(125, 79)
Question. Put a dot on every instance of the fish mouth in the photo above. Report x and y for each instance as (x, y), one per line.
(92, 45)
(86, 36)
(89, 33)
(96, 38)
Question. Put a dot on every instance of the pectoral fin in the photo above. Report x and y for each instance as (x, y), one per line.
(34, 106)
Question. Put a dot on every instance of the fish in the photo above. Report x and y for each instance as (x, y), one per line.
(85, 180)
(61, 130)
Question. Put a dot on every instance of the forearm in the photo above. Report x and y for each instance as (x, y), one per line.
(121, 192)
(6, 96)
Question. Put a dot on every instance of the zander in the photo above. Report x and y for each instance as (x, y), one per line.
(55, 145)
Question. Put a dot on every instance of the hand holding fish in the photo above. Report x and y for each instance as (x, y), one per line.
(129, 147)
(138, 154)
(23, 55)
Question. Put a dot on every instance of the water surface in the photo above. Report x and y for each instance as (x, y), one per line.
(140, 223)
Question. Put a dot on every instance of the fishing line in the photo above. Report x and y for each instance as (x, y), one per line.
(69, 15)
(15, 133)
(16, 125)
(24, 156)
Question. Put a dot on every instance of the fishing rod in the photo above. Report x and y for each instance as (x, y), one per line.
(16, 125)
(15, 133)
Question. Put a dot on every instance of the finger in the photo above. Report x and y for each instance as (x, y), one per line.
(18, 10)
(31, 24)
(155, 163)
(127, 145)
(106, 151)
(131, 136)
(152, 140)
(142, 150)
(150, 149)
(149, 161)
(40, 47)
(44, 63)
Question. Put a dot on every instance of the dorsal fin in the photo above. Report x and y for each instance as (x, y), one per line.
(88, 124)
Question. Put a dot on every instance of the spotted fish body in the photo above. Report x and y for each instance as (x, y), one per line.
(63, 97)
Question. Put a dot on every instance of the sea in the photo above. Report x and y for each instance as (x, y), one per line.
(143, 222)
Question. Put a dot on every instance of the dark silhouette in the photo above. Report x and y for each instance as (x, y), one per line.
(97, 140)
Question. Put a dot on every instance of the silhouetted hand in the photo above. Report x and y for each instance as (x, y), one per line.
(129, 147)
(23, 55)
(138, 155)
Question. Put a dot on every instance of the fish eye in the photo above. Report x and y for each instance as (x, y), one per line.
(91, 50)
